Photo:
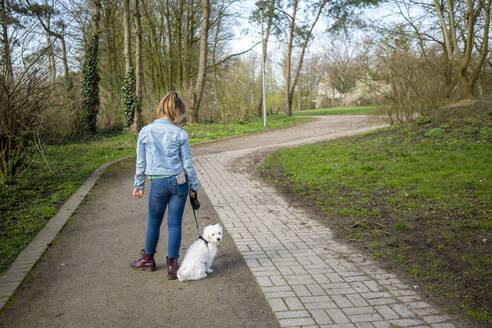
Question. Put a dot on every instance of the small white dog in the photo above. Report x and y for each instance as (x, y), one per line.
(199, 257)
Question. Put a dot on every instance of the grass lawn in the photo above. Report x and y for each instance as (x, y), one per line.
(359, 110)
(418, 196)
(37, 194)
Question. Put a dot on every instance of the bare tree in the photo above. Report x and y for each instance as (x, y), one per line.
(24, 91)
(340, 68)
(90, 79)
(128, 90)
(200, 81)
(291, 82)
(6, 20)
(23, 101)
(236, 91)
(171, 37)
(137, 122)
(127, 27)
(338, 14)
(270, 18)
(43, 13)
(459, 53)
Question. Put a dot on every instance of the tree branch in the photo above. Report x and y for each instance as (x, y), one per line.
(234, 55)
(445, 35)
(299, 66)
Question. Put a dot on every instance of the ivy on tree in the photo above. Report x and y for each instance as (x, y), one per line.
(128, 98)
(90, 88)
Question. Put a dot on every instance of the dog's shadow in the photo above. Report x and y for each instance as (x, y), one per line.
(223, 264)
(226, 263)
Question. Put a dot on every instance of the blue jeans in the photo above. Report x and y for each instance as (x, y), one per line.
(166, 192)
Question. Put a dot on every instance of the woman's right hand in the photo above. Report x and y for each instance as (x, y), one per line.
(138, 193)
(192, 193)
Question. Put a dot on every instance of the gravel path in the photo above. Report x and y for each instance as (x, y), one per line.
(275, 267)
(325, 127)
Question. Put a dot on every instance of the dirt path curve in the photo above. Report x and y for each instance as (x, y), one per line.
(325, 127)
(83, 280)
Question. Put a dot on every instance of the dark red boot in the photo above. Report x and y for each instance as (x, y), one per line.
(145, 263)
(172, 268)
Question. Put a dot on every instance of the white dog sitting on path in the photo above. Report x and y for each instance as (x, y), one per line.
(200, 255)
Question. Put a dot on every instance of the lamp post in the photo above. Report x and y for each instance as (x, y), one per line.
(262, 5)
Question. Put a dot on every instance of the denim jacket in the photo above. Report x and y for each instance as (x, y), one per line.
(164, 149)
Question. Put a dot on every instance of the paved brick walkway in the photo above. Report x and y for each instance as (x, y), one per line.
(309, 279)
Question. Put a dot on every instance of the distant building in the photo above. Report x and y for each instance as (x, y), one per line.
(327, 95)
(365, 92)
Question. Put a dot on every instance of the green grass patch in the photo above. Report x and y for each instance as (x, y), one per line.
(359, 110)
(421, 188)
(400, 226)
(38, 192)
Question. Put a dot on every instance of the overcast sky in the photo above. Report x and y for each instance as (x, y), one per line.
(247, 34)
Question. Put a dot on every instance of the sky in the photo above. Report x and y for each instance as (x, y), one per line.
(246, 34)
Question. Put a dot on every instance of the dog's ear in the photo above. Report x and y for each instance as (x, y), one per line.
(206, 233)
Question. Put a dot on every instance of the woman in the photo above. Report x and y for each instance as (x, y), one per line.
(164, 155)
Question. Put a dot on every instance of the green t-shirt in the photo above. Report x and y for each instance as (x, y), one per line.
(158, 176)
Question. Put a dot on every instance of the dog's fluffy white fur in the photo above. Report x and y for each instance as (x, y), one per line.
(199, 256)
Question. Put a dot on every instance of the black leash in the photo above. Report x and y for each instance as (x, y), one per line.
(198, 229)
(195, 205)
(196, 222)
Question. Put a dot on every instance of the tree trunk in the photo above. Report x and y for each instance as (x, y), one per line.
(466, 70)
(214, 57)
(65, 64)
(301, 56)
(51, 54)
(154, 53)
(128, 97)
(97, 23)
(6, 56)
(200, 81)
(466, 86)
(127, 27)
(260, 105)
(137, 121)
(51, 60)
(90, 80)
(170, 46)
(288, 96)
(271, 8)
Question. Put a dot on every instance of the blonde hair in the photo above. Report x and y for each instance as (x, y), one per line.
(169, 105)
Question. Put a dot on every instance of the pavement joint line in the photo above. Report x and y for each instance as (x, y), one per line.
(25, 261)
(280, 250)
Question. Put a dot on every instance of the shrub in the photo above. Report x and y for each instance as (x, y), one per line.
(24, 98)
(414, 81)
(486, 134)
(64, 105)
(423, 120)
(400, 226)
(436, 132)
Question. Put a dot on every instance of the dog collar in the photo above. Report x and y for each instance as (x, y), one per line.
(205, 241)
